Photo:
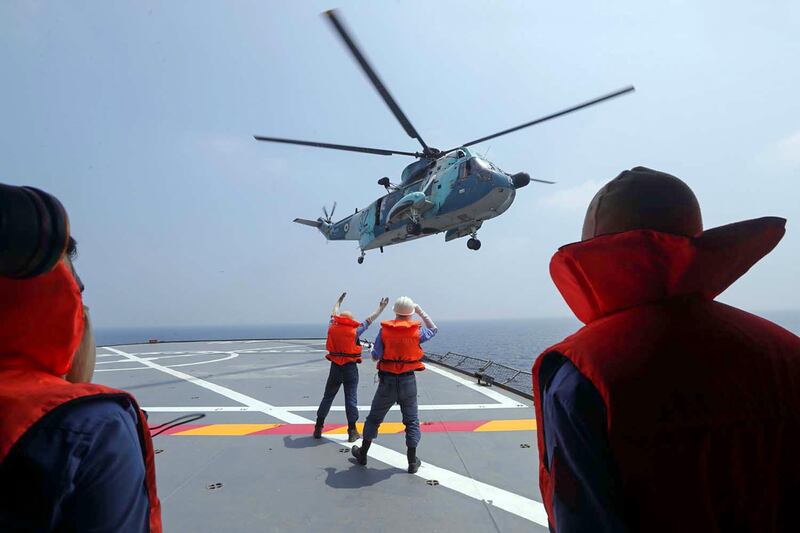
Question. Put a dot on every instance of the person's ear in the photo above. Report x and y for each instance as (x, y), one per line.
(83, 362)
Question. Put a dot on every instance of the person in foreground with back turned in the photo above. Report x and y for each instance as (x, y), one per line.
(74, 456)
(398, 352)
(344, 352)
(668, 411)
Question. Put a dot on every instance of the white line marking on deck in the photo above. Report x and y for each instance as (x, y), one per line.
(253, 350)
(493, 496)
(171, 355)
(486, 391)
(430, 407)
(288, 348)
(277, 347)
(230, 355)
(313, 408)
(177, 354)
(502, 499)
(201, 409)
(280, 414)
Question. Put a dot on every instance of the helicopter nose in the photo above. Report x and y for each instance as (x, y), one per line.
(503, 194)
(502, 181)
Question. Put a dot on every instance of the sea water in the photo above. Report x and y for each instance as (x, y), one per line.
(514, 342)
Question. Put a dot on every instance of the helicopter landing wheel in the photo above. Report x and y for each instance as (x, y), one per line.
(413, 228)
(360, 259)
(474, 244)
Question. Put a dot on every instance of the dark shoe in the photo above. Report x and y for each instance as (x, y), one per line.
(318, 431)
(360, 457)
(353, 435)
(413, 467)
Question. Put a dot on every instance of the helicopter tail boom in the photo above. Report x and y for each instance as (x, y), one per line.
(313, 223)
(343, 230)
(321, 224)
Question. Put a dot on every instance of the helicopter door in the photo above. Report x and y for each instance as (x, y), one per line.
(378, 211)
(388, 202)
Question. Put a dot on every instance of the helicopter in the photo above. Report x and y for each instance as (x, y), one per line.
(452, 191)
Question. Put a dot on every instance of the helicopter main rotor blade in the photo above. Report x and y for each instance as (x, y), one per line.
(376, 151)
(603, 98)
(373, 77)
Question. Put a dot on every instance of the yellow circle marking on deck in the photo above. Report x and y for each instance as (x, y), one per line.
(528, 424)
(227, 429)
(392, 427)
(386, 428)
(342, 430)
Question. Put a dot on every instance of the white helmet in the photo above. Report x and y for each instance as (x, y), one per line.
(404, 306)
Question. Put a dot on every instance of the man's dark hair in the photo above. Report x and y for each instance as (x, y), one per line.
(72, 249)
(72, 253)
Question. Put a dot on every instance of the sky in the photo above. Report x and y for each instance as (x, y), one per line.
(139, 116)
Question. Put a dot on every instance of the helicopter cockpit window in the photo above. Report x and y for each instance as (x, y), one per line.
(481, 167)
(463, 170)
(481, 163)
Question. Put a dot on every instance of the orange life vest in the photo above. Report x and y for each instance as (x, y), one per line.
(401, 350)
(342, 345)
(26, 396)
(41, 325)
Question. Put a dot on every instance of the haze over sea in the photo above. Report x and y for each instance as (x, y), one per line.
(513, 342)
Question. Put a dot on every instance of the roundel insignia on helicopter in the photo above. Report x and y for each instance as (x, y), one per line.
(438, 192)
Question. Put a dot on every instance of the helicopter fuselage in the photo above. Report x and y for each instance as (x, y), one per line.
(453, 193)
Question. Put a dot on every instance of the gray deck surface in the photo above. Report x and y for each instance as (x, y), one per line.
(487, 481)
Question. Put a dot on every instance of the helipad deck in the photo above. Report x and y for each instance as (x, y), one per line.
(252, 465)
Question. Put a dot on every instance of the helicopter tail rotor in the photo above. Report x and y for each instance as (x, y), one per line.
(329, 216)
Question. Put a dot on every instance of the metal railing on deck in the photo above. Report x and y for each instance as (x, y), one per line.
(486, 371)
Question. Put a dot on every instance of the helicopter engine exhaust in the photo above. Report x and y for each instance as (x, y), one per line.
(520, 179)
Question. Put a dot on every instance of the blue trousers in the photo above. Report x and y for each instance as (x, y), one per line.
(339, 375)
(393, 389)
